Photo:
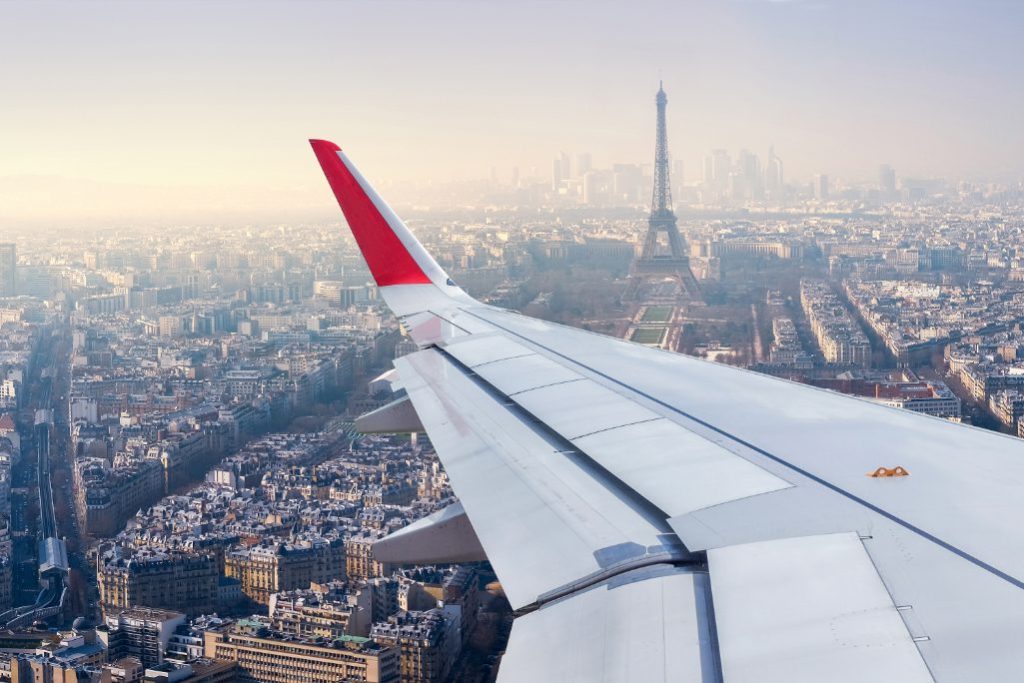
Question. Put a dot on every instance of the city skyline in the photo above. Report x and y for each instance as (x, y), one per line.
(151, 113)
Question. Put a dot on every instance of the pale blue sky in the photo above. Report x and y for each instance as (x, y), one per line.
(221, 95)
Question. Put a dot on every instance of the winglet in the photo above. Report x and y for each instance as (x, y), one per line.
(393, 254)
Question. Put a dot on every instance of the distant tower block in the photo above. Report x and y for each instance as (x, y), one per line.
(664, 251)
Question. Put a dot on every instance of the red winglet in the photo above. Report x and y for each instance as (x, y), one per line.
(389, 260)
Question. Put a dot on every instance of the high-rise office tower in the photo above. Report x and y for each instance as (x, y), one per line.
(749, 167)
(721, 167)
(773, 174)
(627, 182)
(821, 186)
(8, 269)
(887, 182)
(560, 170)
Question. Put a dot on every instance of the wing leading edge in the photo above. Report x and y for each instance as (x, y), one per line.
(600, 477)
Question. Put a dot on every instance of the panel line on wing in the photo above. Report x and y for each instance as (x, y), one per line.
(502, 359)
(544, 386)
(621, 426)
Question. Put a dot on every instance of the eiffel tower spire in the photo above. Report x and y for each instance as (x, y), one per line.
(661, 202)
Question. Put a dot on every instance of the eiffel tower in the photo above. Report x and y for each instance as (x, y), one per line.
(664, 256)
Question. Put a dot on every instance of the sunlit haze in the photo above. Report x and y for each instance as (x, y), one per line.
(157, 112)
(691, 350)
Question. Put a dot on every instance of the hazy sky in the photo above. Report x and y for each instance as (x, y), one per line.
(182, 108)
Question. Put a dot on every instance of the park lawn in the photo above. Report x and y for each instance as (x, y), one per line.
(648, 335)
(657, 314)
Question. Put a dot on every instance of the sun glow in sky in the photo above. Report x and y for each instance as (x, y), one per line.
(159, 110)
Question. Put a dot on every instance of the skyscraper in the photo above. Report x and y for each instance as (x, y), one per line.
(8, 269)
(749, 167)
(721, 167)
(821, 186)
(774, 178)
(887, 182)
(561, 170)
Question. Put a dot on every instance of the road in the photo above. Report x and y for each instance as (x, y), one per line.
(758, 349)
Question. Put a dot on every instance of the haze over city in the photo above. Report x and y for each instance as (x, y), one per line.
(511, 342)
(158, 112)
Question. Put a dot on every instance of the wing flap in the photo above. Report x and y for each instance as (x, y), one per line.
(487, 349)
(648, 626)
(811, 609)
(676, 469)
(525, 373)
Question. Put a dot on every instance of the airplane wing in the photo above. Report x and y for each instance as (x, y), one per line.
(656, 517)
